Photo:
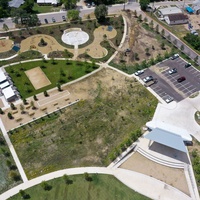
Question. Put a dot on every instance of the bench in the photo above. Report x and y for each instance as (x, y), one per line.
(43, 108)
(67, 99)
(18, 119)
(55, 104)
(27, 107)
(14, 112)
(31, 113)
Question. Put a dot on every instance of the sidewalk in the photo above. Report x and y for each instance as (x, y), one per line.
(143, 184)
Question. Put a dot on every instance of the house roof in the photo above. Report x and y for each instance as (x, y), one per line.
(49, 1)
(175, 17)
(167, 138)
(2, 76)
(170, 10)
(16, 3)
(8, 92)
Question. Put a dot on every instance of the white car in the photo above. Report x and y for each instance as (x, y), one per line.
(172, 71)
(175, 56)
(169, 99)
(139, 72)
(148, 78)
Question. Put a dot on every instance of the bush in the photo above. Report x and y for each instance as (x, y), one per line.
(46, 186)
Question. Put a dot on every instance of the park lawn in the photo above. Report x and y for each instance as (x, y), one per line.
(7, 168)
(87, 133)
(102, 187)
(58, 71)
(45, 9)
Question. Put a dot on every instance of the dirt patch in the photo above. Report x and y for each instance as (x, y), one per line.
(33, 41)
(5, 45)
(95, 50)
(37, 77)
(172, 176)
(138, 41)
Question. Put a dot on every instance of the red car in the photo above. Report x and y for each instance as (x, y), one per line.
(181, 79)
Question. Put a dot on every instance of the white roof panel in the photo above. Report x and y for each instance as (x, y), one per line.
(2, 76)
(167, 138)
(170, 10)
(4, 84)
(8, 92)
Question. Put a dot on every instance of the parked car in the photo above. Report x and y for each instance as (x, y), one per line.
(148, 78)
(53, 20)
(46, 21)
(63, 18)
(88, 5)
(93, 4)
(175, 56)
(181, 79)
(169, 99)
(172, 71)
(187, 65)
(139, 72)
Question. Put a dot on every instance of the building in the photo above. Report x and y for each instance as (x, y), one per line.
(15, 3)
(196, 8)
(168, 11)
(48, 2)
(174, 19)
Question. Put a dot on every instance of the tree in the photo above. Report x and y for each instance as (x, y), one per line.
(140, 18)
(135, 13)
(24, 195)
(28, 6)
(5, 27)
(10, 116)
(1, 111)
(151, 24)
(12, 106)
(101, 12)
(157, 28)
(87, 177)
(144, 4)
(162, 46)
(69, 4)
(35, 98)
(4, 8)
(145, 20)
(73, 15)
(32, 105)
(45, 185)
(67, 180)
(196, 59)
(163, 32)
(182, 47)
(25, 102)
(147, 51)
(59, 87)
(46, 93)
(22, 108)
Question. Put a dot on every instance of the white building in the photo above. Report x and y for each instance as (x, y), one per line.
(48, 2)
(174, 19)
(168, 11)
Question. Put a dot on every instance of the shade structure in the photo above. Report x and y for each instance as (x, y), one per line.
(167, 138)
(8, 93)
(2, 76)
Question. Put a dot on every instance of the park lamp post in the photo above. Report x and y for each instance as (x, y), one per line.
(124, 4)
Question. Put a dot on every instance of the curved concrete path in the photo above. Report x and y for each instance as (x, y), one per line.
(141, 183)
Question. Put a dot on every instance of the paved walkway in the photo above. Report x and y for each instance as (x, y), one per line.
(12, 150)
(143, 184)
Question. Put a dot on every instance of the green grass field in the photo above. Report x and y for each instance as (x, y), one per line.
(45, 9)
(8, 170)
(86, 133)
(56, 71)
(102, 187)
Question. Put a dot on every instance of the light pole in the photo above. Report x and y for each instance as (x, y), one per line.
(124, 4)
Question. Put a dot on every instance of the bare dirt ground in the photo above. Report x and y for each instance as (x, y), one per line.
(172, 176)
(138, 40)
(5, 45)
(95, 50)
(37, 77)
(33, 41)
(195, 21)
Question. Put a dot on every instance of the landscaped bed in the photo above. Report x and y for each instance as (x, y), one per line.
(9, 175)
(58, 71)
(99, 187)
(90, 133)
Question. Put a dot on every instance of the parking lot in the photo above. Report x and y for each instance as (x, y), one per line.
(167, 84)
